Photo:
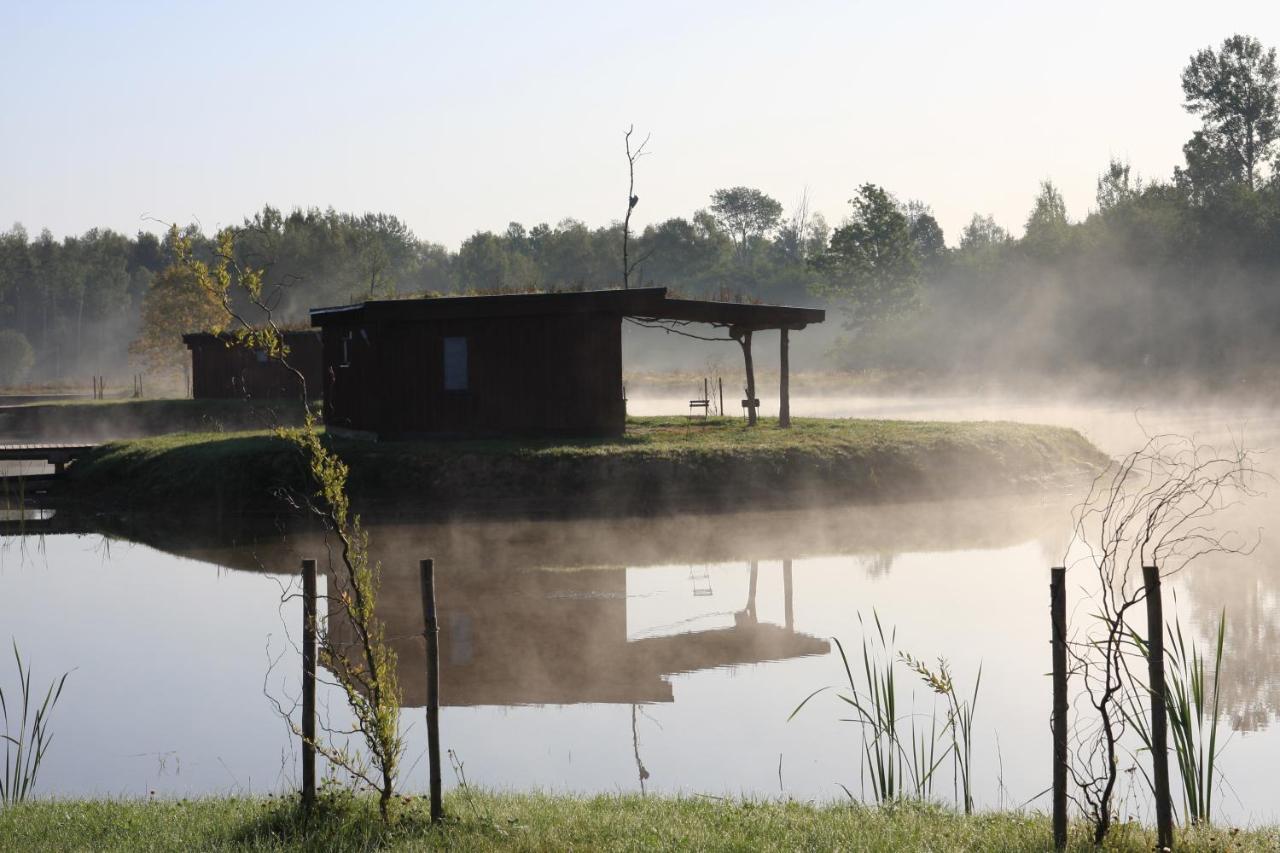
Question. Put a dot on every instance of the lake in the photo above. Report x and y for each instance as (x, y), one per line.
(620, 655)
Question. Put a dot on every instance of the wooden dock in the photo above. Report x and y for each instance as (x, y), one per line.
(57, 455)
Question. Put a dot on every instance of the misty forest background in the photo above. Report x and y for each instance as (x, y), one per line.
(1173, 275)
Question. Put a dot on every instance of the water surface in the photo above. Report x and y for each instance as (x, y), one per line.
(619, 654)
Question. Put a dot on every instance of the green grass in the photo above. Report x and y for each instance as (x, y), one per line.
(659, 463)
(482, 821)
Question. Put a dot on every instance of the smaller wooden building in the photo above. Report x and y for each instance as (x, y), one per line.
(540, 363)
(223, 369)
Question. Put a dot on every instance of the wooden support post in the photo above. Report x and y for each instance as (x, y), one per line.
(1159, 718)
(308, 683)
(1058, 616)
(784, 381)
(721, 381)
(426, 570)
(745, 341)
(788, 612)
(751, 590)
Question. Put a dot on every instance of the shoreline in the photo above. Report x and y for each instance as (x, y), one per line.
(661, 465)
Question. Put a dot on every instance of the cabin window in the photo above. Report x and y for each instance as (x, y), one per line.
(346, 350)
(455, 364)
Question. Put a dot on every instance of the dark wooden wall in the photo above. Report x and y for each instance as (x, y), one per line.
(219, 371)
(553, 374)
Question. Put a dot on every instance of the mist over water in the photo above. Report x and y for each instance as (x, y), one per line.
(576, 652)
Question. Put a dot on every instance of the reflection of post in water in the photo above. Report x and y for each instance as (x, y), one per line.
(789, 620)
(748, 615)
(513, 636)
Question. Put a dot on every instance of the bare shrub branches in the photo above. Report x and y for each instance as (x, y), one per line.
(1152, 508)
(629, 266)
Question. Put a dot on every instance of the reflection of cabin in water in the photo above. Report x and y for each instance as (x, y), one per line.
(223, 369)
(559, 637)
(513, 363)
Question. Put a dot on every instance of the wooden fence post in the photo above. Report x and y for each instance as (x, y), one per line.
(426, 569)
(784, 381)
(308, 683)
(1058, 615)
(745, 341)
(1159, 717)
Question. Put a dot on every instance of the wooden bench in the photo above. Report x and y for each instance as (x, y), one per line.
(704, 403)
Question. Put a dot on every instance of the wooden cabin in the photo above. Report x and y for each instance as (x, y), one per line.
(514, 364)
(221, 368)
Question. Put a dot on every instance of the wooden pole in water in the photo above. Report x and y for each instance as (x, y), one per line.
(1159, 718)
(1058, 616)
(784, 381)
(788, 612)
(308, 683)
(426, 569)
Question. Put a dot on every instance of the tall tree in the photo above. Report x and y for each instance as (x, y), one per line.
(1117, 186)
(1048, 229)
(746, 213)
(927, 239)
(871, 264)
(1233, 90)
(983, 232)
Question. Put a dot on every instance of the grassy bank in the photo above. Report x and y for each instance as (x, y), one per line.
(478, 821)
(660, 464)
(106, 420)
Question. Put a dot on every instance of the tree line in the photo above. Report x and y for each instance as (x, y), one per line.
(1163, 275)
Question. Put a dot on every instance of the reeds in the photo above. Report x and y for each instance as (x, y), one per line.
(897, 763)
(25, 751)
(1192, 706)
(959, 723)
(1188, 720)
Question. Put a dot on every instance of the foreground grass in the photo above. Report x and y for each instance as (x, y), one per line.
(659, 463)
(483, 821)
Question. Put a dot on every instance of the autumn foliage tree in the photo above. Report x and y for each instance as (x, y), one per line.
(175, 304)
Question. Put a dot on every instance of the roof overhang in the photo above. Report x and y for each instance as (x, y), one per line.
(649, 303)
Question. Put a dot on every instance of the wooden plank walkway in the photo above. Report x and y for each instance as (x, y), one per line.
(56, 455)
(42, 451)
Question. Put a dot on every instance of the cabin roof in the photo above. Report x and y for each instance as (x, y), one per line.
(648, 303)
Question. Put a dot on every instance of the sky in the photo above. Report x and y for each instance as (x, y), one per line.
(464, 117)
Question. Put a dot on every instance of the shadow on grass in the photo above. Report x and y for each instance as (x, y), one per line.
(341, 823)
